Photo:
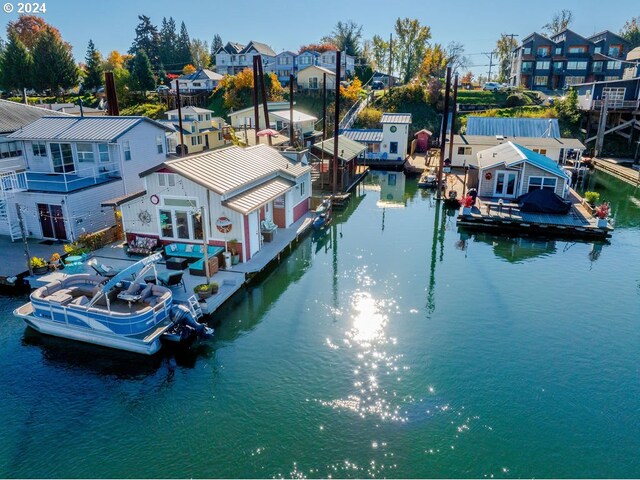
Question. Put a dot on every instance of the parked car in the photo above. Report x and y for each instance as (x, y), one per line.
(162, 89)
(491, 86)
(377, 85)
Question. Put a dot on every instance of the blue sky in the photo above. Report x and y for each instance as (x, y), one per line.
(289, 24)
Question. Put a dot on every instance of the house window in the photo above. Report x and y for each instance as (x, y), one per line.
(464, 150)
(10, 149)
(614, 65)
(62, 157)
(193, 141)
(608, 78)
(127, 150)
(577, 50)
(103, 152)
(393, 147)
(573, 80)
(313, 82)
(526, 66)
(85, 152)
(527, 50)
(233, 58)
(615, 50)
(243, 58)
(598, 50)
(180, 219)
(543, 51)
(540, 80)
(189, 118)
(558, 50)
(543, 65)
(576, 65)
(536, 183)
(207, 116)
(39, 149)
(166, 179)
(159, 144)
(597, 67)
(302, 187)
(558, 65)
(199, 118)
(541, 151)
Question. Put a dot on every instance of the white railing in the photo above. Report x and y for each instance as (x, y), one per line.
(13, 181)
(625, 104)
(351, 116)
(98, 173)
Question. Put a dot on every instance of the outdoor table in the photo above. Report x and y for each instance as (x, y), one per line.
(129, 298)
(177, 263)
(74, 262)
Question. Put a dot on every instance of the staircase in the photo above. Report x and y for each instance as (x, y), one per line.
(350, 117)
(11, 182)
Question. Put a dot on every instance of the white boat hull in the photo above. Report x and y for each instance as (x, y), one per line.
(146, 346)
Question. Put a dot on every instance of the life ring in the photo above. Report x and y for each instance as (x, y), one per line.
(488, 176)
(154, 199)
(224, 225)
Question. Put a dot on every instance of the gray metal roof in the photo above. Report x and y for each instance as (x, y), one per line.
(252, 199)
(513, 127)
(363, 136)
(234, 168)
(14, 116)
(528, 142)
(347, 149)
(101, 129)
(396, 118)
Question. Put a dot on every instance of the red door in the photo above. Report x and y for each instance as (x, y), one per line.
(58, 222)
(52, 221)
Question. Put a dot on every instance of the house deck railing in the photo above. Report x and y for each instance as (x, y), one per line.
(12, 181)
(618, 104)
(69, 181)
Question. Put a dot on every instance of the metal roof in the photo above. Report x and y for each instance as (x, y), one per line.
(14, 116)
(510, 154)
(321, 69)
(396, 118)
(347, 149)
(363, 136)
(105, 129)
(252, 199)
(189, 110)
(116, 202)
(297, 116)
(513, 127)
(233, 168)
(528, 142)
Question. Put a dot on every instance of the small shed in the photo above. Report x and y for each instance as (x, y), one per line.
(422, 140)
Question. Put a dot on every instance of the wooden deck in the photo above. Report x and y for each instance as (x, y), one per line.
(617, 170)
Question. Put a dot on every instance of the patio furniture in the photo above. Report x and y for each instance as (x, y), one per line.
(268, 229)
(105, 270)
(177, 263)
(189, 250)
(197, 268)
(171, 279)
(142, 246)
(73, 263)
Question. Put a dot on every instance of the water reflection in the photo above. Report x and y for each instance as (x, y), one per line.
(391, 186)
(513, 249)
(623, 197)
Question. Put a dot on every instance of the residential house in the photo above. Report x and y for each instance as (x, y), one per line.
(510, 170)
(371, 138)
(72, 109)
(467, 147)
(284, 66)
(279, 117)
(307, 59)
(311, 78)
(384, 78)
(234, 57)
(328, 60)
(567, 58)
(513, 127)
(348, 153)
(201, 130)
(243, 186)
(395, 136)
(621, 94)
(73, 164)
(202, 80)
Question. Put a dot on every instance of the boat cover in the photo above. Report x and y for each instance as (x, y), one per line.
(543, 200)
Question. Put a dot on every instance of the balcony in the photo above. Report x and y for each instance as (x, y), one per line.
(71, 182)
(617, 104)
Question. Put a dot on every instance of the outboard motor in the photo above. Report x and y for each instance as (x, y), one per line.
(473, 193)
(186, 328)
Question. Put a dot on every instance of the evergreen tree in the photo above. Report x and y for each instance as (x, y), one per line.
(183, 53)
(95, 71)
(168, 43)
(216, 44)
(16, 65)
(56, 69)
(147, 39)
(141, 74)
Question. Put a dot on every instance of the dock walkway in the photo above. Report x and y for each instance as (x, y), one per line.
(617, 170)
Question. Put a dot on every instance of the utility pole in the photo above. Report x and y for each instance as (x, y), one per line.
(265, 106)
(336, 126)
(182, 145)
(390, 59)
(453, 115)
(23, 232)
(443, 134)
(256, 111)
(291, 109)
(511, 35)
(490, 57)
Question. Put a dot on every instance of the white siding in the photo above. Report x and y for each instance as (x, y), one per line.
(401, 136)
(86, 214)
(144, 153)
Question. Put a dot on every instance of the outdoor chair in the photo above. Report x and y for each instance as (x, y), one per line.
(105, 270)
(171, 279)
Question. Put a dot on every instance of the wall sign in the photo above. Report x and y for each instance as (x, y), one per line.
(224, 225)
(144, 216)
(393, 129)
(154, 199)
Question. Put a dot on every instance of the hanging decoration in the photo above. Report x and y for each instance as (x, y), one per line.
(144, 216)
(154, 199)
(224, 225)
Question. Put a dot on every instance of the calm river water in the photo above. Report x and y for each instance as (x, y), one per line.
(393, 346)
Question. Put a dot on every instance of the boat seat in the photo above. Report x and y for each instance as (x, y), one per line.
(81, 300)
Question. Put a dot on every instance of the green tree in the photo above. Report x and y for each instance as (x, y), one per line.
(56, 69)
(216, 44)
(631, 31)
(411, 43)
(141, 74)
(380, 53)
(346, 36)
(559, 22)
(183, 48)
(200, 53)
(16, 65)
(94, 74)
(28, 28)
(568, 108)
(147, 39)
(168, 38)
(504, 47)
(434, 62)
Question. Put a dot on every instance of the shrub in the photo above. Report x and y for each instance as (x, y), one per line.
(37, 262)
(514, 100)
(591, 197)
(369, 118)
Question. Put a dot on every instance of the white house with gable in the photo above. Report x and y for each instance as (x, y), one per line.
(395, 134)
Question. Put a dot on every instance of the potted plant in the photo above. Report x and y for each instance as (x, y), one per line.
(602, 212)
(205, 290)
(235, 253)
(39, 266)
(591, 198)
(467, 203)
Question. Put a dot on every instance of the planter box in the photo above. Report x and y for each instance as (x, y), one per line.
(602, 223)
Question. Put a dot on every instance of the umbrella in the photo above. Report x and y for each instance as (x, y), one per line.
(268, 132)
